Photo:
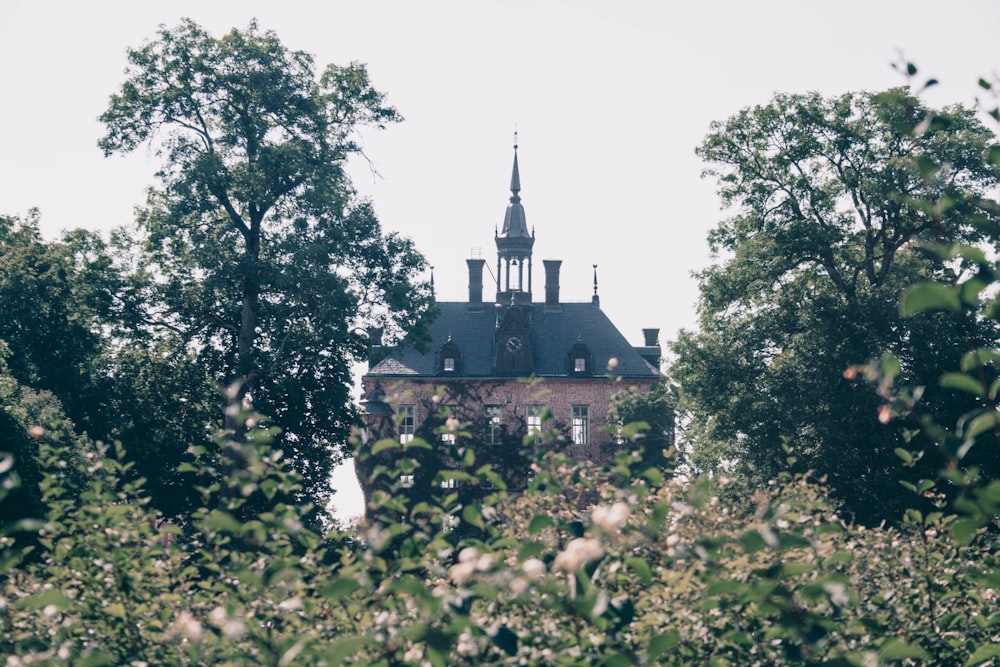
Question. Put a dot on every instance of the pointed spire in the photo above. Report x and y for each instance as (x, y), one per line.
(514, 224)
(595, 300)
(515, 177)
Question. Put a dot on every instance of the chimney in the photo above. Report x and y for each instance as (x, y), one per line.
(552, 283)
(376, 352)
(475, 283)
(650, 351)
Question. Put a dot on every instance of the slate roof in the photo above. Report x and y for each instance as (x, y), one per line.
(554, 333)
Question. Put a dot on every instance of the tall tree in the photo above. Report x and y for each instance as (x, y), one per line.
(266, 262)
(826, 233)
(55, 298)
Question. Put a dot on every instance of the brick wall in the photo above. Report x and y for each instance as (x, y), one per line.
(557, 394)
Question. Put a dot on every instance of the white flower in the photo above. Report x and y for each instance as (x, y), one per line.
(533, 568)
(578, 553)
(468, 554)
(187, 626)
(462, 572)
(466, 644)
(486, 562)
(291, 604)
(234, 629)
(218, 617)
(611, 519)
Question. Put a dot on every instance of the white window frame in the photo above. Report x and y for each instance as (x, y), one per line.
(533, 420)
(579, 365)
(494, 424)
(407, 422)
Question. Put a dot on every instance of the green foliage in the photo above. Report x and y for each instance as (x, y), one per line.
(579, 569)
(653, 409)
(258, 254)
(832, 199)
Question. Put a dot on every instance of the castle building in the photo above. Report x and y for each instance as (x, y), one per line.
(513, 365)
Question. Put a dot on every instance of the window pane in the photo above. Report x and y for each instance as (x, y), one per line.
(533, 418)
(494, 418)
(579, 365)
(581, 425)
(449, 363)
(406, 423)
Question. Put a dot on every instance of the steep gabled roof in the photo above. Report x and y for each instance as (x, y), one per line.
(554, 334)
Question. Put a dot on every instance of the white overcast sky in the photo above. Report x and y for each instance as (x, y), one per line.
(610, 98)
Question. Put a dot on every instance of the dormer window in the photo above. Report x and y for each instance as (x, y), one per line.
(579, 360)
(449, 358)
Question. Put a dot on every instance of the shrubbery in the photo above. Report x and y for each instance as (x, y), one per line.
(581, 569)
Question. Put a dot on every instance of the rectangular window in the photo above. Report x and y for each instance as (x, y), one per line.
(449, 364)
(448, 436)
(533, 419)
(579, 364)
(406, 423)
(581, 425)
(494, 422)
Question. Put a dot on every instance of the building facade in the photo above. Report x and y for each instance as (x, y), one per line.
(512, 366)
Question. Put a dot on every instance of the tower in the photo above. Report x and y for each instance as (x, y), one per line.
(514, 245)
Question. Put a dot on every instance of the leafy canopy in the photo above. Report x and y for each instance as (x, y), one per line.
(829, 211)
(260, 255)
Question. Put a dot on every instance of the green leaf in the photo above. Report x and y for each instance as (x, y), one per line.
(222, 522)
(897, 649)
(385, 445)
(752, 541)
(929, 296)
(50, 597)
(539, 522)
(641, 568)
(993, 154)
(662, 643)
(983, 653)
(979, 357)
(981, 424)
(473, 516)
(337, 652)
(116, 609)
(962, 382)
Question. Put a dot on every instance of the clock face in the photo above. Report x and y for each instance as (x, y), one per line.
(514, 344)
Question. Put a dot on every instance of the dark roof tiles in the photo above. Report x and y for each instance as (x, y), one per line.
(554, 334)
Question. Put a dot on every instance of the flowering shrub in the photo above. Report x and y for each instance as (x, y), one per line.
(577, 571)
